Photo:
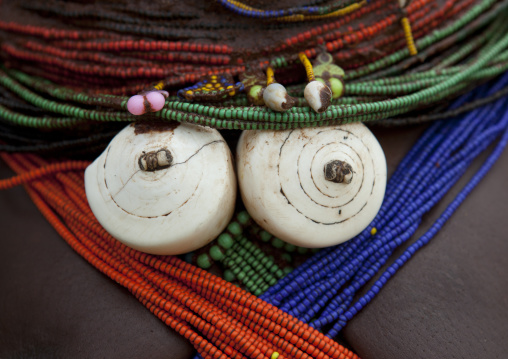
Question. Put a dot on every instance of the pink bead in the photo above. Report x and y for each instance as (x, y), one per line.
(136, 105)
(156, 100)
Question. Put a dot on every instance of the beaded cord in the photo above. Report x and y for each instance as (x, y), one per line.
(308, 66)
(270, 77)
(212, 88)
(408, 33)
(296, 13)
(445, 114)
(56, 8)
(33, 175)
(322, 290)
(409, 36)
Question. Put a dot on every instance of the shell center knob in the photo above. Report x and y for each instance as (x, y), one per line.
(155, 160)
(338, 171)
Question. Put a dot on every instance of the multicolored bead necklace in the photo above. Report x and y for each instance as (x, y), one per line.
(395, 59)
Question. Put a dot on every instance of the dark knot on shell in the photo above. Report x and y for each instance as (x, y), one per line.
(339, 172)
(155, 160)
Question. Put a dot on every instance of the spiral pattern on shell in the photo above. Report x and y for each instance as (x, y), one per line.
(182, 199)
(284, 187)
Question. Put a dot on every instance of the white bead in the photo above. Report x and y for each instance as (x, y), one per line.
(283, 185)
(171, 210)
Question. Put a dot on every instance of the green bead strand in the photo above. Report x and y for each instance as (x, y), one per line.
(36, 122)
(55, 107)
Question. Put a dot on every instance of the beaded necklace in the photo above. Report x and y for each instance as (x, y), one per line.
(445, 48)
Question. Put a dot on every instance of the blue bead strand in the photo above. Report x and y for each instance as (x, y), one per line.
(425, 175)
(423, 240)
(395, 244)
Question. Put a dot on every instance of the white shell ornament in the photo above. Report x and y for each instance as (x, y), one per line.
(163, 189)
(312, 187)
(276, 97)
(318, 95)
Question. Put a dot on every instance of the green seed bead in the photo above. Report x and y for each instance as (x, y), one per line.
(229, 275)
(265, 236)
(279, 273)
(225, 240)
(259, 280)
(287, 270)
(243, 217)
(289, 247)
(240, 275)
(277, 243)
(204, 261)
(287, 257)
(235, 228)
(216, 253)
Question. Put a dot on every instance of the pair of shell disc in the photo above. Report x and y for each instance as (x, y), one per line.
(170, 189)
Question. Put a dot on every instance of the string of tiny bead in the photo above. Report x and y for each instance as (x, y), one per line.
(51, 33)
(450, 8)
(57, 9)
(136, 58)
(64, 145)
(18, 105)
(292, 14)
(94, 69)
(395, 40)
(412, 184)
